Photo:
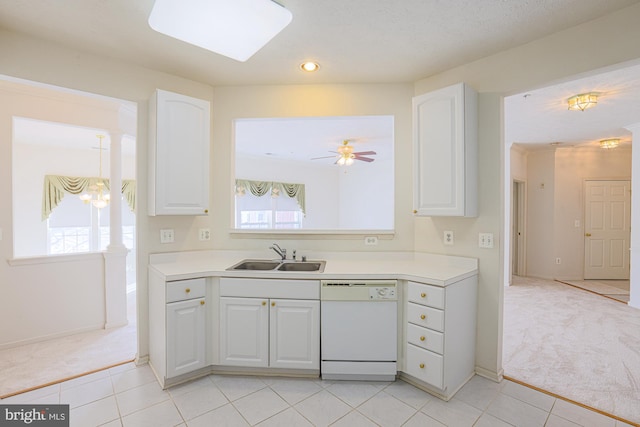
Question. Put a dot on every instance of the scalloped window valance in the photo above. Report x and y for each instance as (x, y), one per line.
(55, 187)
(261, 188)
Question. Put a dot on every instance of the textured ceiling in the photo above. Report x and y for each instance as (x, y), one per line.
(362, 41)
(353, 40)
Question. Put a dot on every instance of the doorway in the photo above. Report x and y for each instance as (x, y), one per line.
(518, 221)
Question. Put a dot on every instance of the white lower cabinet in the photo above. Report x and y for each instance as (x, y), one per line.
(440, 331)
(269, 332)
(177, 327)
(185, 336)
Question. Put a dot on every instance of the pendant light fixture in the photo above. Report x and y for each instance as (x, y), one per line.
(96, 194)
(233, 28)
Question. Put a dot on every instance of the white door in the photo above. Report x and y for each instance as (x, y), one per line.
(185, 336)
(294, 334)
(607, 229)
(244, 332)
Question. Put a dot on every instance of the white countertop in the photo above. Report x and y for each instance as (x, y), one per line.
(440, 270)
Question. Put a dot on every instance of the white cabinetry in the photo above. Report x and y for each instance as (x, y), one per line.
(270, 330)
(440, 331)
(445, 134)
(179, 128)
(177, 327)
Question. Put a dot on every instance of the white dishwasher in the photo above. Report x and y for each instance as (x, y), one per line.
(358, 330)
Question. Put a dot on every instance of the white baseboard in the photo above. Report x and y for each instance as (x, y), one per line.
(50, 336)
(490, 375)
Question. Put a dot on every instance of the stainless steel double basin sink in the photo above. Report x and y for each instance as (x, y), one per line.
(278, 265)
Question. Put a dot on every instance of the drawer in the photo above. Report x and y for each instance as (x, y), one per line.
(425, 338)
(425, 366)
(432, 296)
(425, 316)
(185, 289)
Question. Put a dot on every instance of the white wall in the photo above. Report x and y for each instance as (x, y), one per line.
(540, 214)
(573, 166)
(576, 50)
(561, 56)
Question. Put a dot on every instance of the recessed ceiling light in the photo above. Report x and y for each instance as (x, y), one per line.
(309, 66)
(236, 29)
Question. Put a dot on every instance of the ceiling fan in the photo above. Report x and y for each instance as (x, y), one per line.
(346, 155)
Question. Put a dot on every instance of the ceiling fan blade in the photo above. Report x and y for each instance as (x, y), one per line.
(364, 159)
(325, 157)
(366, 153)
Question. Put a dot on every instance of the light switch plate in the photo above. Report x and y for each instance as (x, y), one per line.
(485, 240)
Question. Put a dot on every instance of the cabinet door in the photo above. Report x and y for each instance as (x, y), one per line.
(445, 153)
(179, 170)
(294, 334)
(185, 336)
(244, 332)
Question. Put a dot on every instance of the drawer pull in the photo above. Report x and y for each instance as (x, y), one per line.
(273, 304)
(423, 316)
(422, 338)
(264, 303)
(202, 302)
(423, 295)
(187, 290)
(422, 366)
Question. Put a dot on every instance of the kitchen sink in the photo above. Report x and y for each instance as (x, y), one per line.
(271, 265)
(249, 264)
(302, 266)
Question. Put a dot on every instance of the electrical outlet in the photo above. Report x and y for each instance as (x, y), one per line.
(485, 240)
(371, 240)
(576, 223)
(558, 260)
(448, 238)
(204, 234)
(166, 235)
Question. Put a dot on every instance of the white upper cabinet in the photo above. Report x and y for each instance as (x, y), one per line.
(445, 143)
(179, 129)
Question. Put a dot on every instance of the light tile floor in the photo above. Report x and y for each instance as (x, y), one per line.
(130, 396)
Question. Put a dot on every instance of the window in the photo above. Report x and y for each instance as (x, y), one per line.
(78, 227)
(267, 212)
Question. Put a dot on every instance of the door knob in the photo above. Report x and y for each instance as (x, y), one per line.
(588, 234)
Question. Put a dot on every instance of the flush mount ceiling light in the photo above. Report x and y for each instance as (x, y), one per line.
(309, 66)
(233, 28)
(583, 101)
(609, 143)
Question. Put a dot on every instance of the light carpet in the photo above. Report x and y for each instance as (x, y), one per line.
(615, 289)
(573, 343)
(34, 365)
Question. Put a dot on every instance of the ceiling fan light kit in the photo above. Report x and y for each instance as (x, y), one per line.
(236, 29)
(346, 155)
(609, 143)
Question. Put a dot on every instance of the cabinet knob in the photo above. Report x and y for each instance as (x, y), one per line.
(187, 290)
(264, 303)
(273, 304)
(422, 338)
(202, 302)
(422, 366)
(423, 316)
(206, 211)
(415, 211)
(588, 234)
(423, 295)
